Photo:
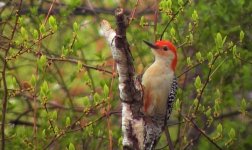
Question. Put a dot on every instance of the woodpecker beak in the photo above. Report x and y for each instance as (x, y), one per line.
(151, 45)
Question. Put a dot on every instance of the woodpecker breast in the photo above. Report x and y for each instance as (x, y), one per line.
(157, 82)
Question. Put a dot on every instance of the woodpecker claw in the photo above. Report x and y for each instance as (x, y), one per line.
(150, 44)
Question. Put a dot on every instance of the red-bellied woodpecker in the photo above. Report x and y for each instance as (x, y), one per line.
(159, 82)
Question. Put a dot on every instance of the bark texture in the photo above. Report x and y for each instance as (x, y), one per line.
(139, 132)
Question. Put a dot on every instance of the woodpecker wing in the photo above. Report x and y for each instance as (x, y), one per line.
(171, 97)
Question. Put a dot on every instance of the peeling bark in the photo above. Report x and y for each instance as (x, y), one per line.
(139, 132)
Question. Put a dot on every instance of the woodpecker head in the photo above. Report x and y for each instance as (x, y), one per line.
(164, 51)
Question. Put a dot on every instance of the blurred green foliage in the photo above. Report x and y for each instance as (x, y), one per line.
(54, 76)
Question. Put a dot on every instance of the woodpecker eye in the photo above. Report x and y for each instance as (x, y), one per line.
(165, 48)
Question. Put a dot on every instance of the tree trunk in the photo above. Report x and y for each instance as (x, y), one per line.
(138, 133)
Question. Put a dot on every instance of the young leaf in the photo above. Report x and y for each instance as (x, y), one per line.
(210, 57)
(198, 83)
(24, 33)
(52, 23)
(218, 40)
(54, 115)
(219, 128)
(79, 66)
(142, 21)
(35, 34)
(44, 90)
(86, 101)
(75, 27)
(231, 133)
(177, 105)
(42, 62)
(106, 90)
(199, 57)
(68, 121)
(195, 16)
(189, 62)
(241, 36)
(71, 147)
(195, 102)
(96, 98)
(42, 29)
(168, 4)
(243, 105)
(180, 2)
(44, 134)
(33, 80)
(208, 112)
(172, 32)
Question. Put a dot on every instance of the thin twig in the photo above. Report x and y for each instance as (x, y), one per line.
(203, 133)
(76, 62)
(133, 12)
(5, 94)
(173, 17)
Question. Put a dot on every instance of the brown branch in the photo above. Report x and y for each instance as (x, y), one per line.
(133, 12)
(203, 133)
(76, 62)
(85, 10)
(5, 94)
(68, 128)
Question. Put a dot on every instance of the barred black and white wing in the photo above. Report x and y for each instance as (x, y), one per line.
(171, 97)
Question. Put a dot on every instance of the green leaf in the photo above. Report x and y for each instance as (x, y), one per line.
(42, 29)
(24, 33)
(189, 62)
(219, 128)
(68, 121)
(177, 105)
(35, 34)
(180, 2)
(190, 38)
(195, 102)
(231, 133)
(106, 90)
(71, 147)
(44, 90)
(219, 41)
(44, 134)
(241, 36)
(72, 3)
(168, 4)
(208, 112)
(53, 23)
(33, 80)
(75, 27)
(195, 16)
(243, 105)
(96, 98)
(197, 83)
(64, 51)
(54, 115)
(210, 57)
(216, 108)
(142, 21)
(172, 32)
(199, 57)
(234, 51)
(190, 27)
(86, 101)
(14, 82)
(42, 62)
(79, 66)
